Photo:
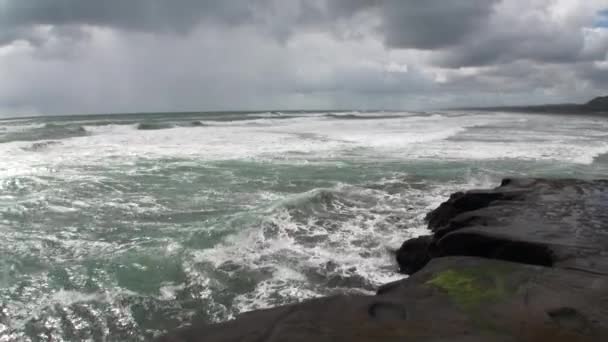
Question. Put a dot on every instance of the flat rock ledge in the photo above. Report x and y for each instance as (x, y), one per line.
(527, 261)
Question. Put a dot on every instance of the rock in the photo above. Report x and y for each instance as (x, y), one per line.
(526, 261)
(459, 203)
(560, 223)
(452, 299)
(414, 254)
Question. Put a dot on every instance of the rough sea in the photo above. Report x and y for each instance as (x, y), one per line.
(121, 227)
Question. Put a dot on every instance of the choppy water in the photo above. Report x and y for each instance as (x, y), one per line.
(118, 228)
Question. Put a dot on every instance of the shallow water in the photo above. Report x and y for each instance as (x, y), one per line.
(120, 227)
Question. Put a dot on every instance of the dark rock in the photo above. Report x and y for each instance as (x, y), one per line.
(462, 202)
(526, 261)
(569, 318)
(453, 299)
(488, 246)
(387, 311)
(414, 254)
(561, 223)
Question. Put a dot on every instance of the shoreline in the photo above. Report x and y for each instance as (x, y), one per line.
(527, 261)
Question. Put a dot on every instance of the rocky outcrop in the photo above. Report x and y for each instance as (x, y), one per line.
(560, 223)
(523, 262)
(452, 299)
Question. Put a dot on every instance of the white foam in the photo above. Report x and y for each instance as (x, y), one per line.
(60, 209)
(291, 256)
(354, 250)
(303, 138)
(168, 291)
(37, 303)
(67, 298)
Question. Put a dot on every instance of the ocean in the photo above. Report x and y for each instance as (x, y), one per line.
(122, 227)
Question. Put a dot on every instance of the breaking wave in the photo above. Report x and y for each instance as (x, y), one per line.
(321, 242)
(121, 234)
(48, 131)
(41, 146)
(148, 126)
(198, 123)
(363, 116)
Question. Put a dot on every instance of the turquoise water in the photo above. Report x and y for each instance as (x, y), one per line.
(120, 227)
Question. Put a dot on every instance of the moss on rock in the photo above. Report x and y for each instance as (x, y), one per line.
(472, 288)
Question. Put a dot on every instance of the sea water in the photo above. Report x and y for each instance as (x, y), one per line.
(121, 227)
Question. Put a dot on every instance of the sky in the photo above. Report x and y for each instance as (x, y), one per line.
(112, 56)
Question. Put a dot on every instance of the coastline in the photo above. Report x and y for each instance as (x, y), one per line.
(526, 261)
(595, 107)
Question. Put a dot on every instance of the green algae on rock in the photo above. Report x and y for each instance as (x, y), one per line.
(469, 289)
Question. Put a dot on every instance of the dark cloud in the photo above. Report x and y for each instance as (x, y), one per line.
(505, 47)
(136, 55)
(143, 15)
(433, 24)
(468, 32)
(596, 74)
(535, 36)
(19, 18)
(417, 24)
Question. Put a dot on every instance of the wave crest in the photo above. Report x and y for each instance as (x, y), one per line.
(49, 131)
(148, 126)
(40, 146)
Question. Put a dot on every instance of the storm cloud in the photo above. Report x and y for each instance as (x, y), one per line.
(73, 56)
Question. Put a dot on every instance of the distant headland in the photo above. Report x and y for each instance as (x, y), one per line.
(598, 105)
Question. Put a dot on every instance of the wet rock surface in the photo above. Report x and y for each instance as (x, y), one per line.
(523, 262)
(559, 223)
